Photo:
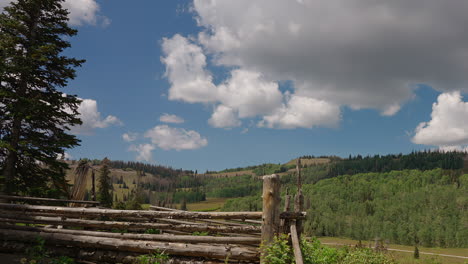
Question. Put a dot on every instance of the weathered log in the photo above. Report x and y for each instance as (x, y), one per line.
(79, 212)
(299, 199)
(94, 255)
(37, 199)
(222, 222)
(173, 221)
(298, 207)
(178, 249)
(159, 208)
(198, 222)
(271, 210)
(295, 243)
(14, 247)
(249, 221)
(17, 218)
(150, 237)
(298, 172)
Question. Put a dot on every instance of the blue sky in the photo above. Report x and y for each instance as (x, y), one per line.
(334, 89)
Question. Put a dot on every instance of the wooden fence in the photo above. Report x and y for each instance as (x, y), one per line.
(119, 236)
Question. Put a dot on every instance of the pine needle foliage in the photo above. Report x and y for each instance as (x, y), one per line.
(104, 194)
(34, 114)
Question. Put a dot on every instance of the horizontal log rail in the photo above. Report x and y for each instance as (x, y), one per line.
(86, 212)
(257, 222)
(232, 221)
(21, 218)
(283, 215)
(160, 208)
(96, 256)
(178, 249)
(150, 237)
(38, 199)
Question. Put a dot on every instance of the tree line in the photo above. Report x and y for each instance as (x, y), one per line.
(162, 171)
(416, 160)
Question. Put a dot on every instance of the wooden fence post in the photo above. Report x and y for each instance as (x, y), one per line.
(284, 223)
(299, 199)
(271, 208)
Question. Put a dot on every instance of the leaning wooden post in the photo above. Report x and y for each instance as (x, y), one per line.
(271, 209)
(299, 199)
(296, 243)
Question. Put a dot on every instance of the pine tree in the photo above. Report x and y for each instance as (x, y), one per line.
(416, 252)
(34, 114)
(105, 187)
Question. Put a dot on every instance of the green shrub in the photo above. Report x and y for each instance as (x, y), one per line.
(313, 252)
(152, 231)
(154, 258)
(278, 252)
(366, 256)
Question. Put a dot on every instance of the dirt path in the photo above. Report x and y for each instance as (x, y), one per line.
(407, 251)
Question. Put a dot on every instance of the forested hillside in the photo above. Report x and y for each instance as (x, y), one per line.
(419, 198)
(405, 207)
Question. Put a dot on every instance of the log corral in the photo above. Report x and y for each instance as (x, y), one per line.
(104, 235)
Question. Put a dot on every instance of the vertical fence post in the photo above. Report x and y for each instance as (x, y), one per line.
(271, 208)
(284, 223)
(299, 199)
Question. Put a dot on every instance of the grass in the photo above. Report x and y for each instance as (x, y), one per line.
(407, 257)
(210, 205)
(145, 206)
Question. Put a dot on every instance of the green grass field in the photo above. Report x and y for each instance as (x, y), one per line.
(407, 257)
(210, 205)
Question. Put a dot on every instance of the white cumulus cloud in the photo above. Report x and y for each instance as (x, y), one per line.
(448, 127)
(302, 112)
(185, 69)
(361, 54)
(130, 136)
(167, 138)
(224, 117)
(249, 93)
(91, 118)
(243, 94)
(167, 118)
(144, 152)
